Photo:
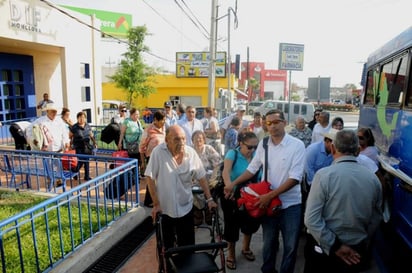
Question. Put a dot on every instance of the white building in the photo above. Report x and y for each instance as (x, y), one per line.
(44, 51)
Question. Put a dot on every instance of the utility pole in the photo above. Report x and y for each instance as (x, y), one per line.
(247, 74)
(212, 50)
(229, 60)
(229, 57)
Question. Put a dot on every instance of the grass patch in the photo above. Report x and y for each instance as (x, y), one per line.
(48, 234)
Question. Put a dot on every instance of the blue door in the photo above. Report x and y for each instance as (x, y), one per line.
(17, 96)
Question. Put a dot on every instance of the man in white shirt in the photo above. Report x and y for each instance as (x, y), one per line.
(190, 124)
(55, 136)
(169, 173)
(321, 127)
(284, 173)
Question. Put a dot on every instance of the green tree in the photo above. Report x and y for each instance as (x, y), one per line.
(134, 76)
(254, 86)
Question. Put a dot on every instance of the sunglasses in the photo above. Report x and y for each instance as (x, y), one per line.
(124, 111)
(250, 147)
(361, 137)
(273, 122)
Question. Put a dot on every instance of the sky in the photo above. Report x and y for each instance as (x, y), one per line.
(338, 35)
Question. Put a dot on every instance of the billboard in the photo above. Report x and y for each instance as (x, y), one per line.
(112, 23)
(291, 56)
(319, 89)
(196, 64)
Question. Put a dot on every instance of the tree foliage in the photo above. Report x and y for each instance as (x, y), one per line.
(133, 75)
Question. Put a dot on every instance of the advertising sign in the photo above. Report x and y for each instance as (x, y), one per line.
(112, 23)
(291, 56)
(196, 64)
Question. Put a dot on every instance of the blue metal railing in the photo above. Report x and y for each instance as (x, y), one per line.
(39, 238)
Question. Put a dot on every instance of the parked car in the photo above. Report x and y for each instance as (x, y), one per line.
(251, 106)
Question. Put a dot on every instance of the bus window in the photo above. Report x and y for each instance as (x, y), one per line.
(394, 73)
(408, 99)
(370, 87)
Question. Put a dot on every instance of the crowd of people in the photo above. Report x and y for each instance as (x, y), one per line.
(326, 177)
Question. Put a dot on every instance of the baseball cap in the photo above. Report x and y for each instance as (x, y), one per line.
(241, 107)
(168, 104)
(331, 134)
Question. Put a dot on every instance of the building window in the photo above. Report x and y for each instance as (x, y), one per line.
(86, 93)
(88, 112)
(85, 71)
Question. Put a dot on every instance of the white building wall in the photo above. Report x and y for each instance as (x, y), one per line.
(59, 46)
(275, 87)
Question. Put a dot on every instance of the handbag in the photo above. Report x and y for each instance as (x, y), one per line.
(69, 162)
(250, 194)
(132, 148)
(88, 148)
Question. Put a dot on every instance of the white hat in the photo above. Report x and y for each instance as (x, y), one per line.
(241, 107)
(51, 107)
(331, 134)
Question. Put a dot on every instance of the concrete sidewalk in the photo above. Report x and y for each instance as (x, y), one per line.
(145, 259)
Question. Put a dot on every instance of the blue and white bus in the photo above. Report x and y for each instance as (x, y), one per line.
(386, 108)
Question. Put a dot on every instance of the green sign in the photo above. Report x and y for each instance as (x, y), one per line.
(112, 23)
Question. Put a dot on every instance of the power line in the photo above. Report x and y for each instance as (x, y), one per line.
(104, 34)
(197, 20)
(169, 23)
(206, 35)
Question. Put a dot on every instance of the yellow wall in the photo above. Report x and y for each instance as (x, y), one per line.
(166, 86)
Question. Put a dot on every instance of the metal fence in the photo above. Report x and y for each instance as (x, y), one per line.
(39, 238)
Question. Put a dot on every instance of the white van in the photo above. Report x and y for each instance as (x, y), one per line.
(304, 109)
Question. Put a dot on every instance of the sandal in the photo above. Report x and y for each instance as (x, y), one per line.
(248, 254)
(231, 264)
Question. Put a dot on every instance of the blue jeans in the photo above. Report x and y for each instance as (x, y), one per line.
(288, 222)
